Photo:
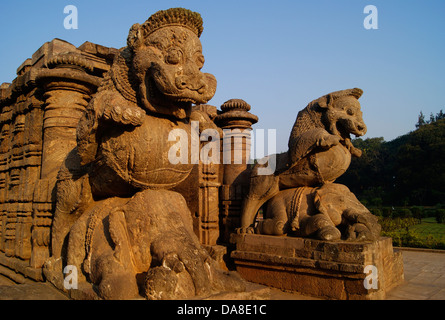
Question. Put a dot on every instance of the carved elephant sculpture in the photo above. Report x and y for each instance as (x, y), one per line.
(329, 212)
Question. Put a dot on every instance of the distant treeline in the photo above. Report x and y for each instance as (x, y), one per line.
(409, 170)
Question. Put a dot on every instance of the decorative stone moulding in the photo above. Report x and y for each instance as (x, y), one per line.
(70, 60)
(235, 114)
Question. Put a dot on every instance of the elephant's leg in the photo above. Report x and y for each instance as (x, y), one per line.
(276, 222)
(72, 198)
(113, 271)
(249, 211)
(116, 281)
(322, 227)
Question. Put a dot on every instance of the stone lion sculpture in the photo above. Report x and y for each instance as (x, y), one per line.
(320, 151)
(115, 218)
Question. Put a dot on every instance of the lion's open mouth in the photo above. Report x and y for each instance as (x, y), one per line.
(181, 98)
(346, 129)
(186, 100)
(344, 133)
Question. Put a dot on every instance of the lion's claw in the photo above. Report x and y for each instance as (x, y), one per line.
(248, 230)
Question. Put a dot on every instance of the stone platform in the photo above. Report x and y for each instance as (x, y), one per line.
(19, 269)
(332, 270)
(424, 272)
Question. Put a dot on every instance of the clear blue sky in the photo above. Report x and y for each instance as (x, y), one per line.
(277, 55)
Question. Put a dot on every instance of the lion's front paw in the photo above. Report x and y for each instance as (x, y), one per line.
(242, 230)
(328, 141)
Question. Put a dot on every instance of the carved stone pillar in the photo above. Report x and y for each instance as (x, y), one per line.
(26, 161)
(67, 88)
(236, 122)
(5, 124)
(209, 204)
(4, 155)
(14, 204)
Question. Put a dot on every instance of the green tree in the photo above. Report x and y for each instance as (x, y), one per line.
(364, 173)
(420, 166)
(421, 120)
(408, 170)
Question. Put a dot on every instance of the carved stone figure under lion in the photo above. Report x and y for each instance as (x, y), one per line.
(320, 151)
(115, 218)
(325, 212)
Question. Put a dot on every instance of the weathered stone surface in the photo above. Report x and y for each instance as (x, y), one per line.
(51, 116)
(39, 115)
(298, 186)
(328, 212)
(87, 178)
(139, 238)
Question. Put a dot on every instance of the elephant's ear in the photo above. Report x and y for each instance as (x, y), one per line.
(325, 201)
(319, 203)
(330, 204)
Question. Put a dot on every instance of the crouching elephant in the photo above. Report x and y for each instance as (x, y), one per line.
(145, 246)
(330, 212)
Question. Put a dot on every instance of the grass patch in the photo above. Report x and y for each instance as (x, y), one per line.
(430, 228)
(406, 233)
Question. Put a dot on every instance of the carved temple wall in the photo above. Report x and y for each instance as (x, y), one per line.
(40, 110)
(39, 114)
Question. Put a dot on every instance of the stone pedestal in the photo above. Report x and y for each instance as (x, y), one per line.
(332, 270)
